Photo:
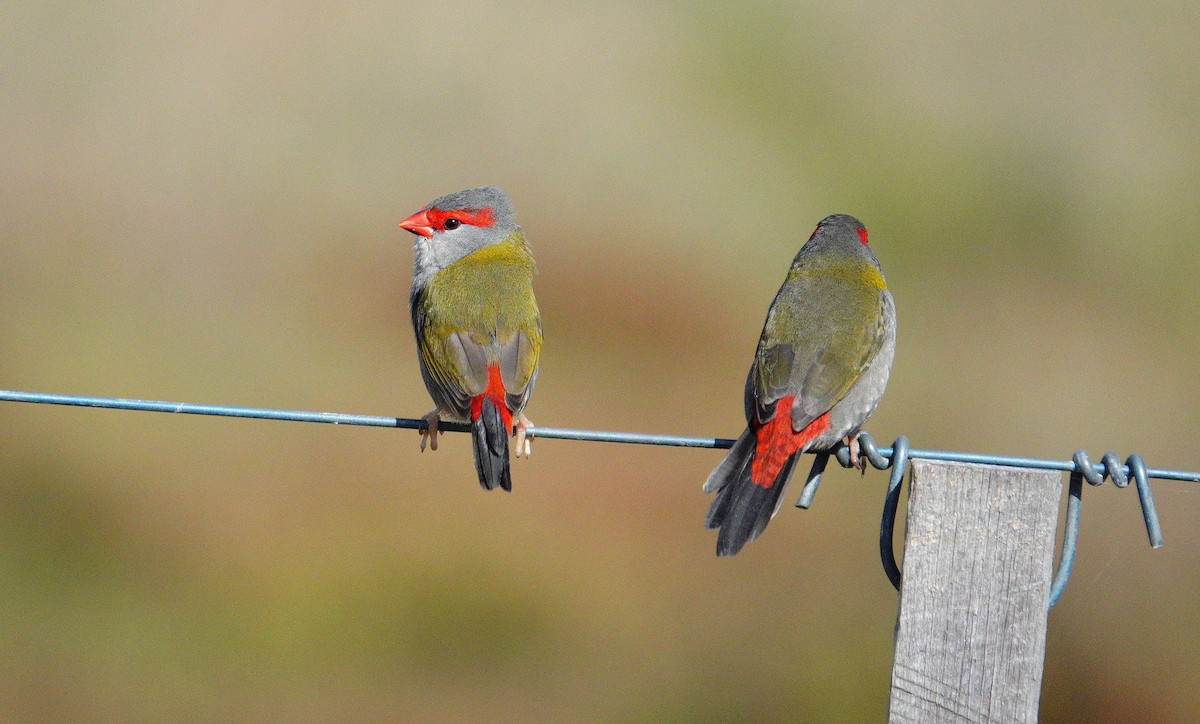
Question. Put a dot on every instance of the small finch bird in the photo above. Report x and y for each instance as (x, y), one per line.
(819, 371)
(477, 322)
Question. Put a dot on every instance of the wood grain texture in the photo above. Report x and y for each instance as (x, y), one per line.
(978, 559)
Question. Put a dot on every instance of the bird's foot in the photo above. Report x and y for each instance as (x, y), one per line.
(524, 444)
(430, 432)
(856, 460)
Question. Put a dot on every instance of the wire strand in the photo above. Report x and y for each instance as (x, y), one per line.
(895, 457)
(633, 438)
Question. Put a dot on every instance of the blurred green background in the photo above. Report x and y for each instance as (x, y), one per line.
(199, 202)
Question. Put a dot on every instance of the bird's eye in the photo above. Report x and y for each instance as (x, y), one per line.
(451, 224)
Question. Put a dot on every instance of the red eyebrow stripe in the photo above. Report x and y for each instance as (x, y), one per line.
(862, 236)
(474, 217)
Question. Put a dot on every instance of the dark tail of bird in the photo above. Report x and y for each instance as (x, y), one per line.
(741, 510)
(490, 437)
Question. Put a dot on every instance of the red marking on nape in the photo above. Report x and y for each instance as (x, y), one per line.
(495, 393)
(862, 236)
(474, 217)
(776, 441)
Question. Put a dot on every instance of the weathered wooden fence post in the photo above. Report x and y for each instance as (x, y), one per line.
(978, 559)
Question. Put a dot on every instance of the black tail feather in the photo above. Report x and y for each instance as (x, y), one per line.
(491, 448)
(741, 510)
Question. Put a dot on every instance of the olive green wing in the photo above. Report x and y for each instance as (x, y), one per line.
(452, 366)
(518, 357)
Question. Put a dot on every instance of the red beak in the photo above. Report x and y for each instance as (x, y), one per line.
(418, 223)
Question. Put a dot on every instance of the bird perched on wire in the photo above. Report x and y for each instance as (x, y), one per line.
(819, 371)
(477, 323)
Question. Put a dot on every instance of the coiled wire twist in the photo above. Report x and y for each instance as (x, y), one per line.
(897, 459)
(1111, 468)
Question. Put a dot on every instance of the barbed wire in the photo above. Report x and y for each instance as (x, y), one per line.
(895, 457)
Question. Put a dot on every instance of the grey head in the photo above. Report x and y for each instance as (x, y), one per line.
(454, 225)
(839, 233)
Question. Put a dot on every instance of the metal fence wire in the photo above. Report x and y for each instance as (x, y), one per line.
(895, 458)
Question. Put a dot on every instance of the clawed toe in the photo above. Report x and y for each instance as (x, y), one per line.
(430, 433)
(856, 460)
(524, 440)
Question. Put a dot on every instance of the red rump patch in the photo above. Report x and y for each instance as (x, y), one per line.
(775, 442)
(862, 236)
(474, 217)
(495, 393)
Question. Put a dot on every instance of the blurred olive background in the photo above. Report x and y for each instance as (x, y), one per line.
(199, 202)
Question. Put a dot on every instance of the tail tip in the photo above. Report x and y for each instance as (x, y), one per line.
(491, 448)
